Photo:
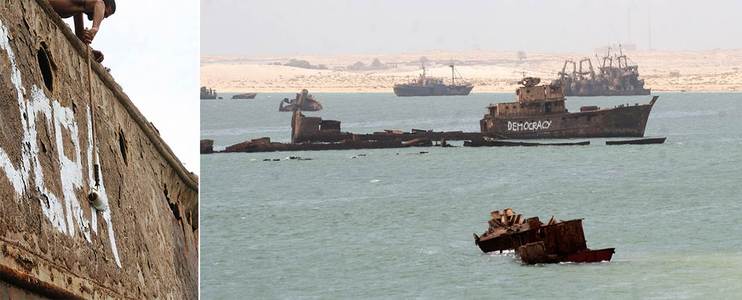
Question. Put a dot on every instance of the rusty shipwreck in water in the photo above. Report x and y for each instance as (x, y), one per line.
(536, 242)
(540, 112)
(304, 101)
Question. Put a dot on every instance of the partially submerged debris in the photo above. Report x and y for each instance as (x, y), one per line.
(535, 242)
(298, 158)
(207, 146)
(245, 96)
(303, 102)
(638, 141)
(501, 143)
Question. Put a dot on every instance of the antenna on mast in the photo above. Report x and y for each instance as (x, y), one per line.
(649, 24)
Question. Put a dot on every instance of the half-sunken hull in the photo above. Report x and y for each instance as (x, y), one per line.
(626, 121)
(438, 90)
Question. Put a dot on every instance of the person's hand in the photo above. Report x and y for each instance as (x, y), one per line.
(97, 56)
(89, 35)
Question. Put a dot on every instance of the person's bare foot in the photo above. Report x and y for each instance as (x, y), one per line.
(98, 56)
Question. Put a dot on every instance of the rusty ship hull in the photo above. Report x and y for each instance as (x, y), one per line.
(626, 121)
(437, 90)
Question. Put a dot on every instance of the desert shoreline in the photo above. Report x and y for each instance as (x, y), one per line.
(710, 71)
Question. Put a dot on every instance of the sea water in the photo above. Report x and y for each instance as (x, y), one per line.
(398, 223)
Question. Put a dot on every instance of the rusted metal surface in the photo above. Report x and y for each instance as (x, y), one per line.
(144, 242)
(207, 146)
(535, 242)
(264, 145)
(302, 102)
(11, 291)
(314, 133)
(540, 112)
(615, 77)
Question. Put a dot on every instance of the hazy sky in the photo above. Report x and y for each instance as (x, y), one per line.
(152, 48)
(267, 27)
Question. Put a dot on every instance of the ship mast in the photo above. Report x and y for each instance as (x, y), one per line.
(453, 76)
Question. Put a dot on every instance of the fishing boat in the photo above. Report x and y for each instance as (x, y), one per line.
(430, 86)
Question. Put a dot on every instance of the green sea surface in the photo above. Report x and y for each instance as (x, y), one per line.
(398, 224)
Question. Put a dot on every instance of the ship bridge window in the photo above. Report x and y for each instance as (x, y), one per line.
(45, 66)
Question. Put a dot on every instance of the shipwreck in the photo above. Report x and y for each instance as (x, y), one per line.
(303, 101)
(535, 242)
(540, 112)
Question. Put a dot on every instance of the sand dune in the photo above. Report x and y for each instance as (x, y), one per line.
(701, 71)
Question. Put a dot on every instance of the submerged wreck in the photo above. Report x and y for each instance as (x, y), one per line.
(303, 102)
(314, 133)
(540, 112)
(535, 242)
(245, 96)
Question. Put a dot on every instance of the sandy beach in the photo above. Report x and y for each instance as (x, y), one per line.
(692, 71)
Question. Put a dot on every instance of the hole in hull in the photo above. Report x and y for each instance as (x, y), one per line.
(45, 66)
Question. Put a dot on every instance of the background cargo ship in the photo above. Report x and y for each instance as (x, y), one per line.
(615, 77)
(430, 86)
(139, 240)
(540, 112)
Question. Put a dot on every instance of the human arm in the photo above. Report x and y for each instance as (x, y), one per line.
(79, 26)
(99, 12)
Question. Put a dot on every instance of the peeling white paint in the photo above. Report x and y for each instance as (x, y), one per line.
(15, 77)
(65, 214)
(107, 214)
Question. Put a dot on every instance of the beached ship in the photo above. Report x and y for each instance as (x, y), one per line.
(615, 77)
(540, 112)
(207, 93)
(430, 86)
